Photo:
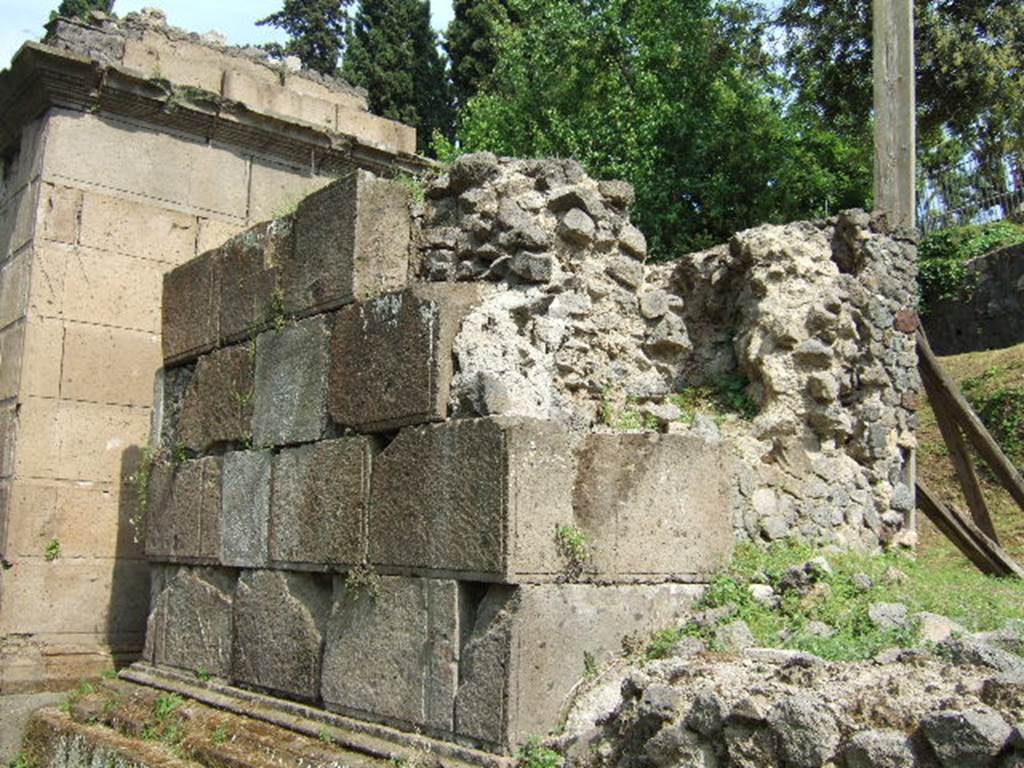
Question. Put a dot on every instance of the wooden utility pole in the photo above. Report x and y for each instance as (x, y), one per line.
(895, 135)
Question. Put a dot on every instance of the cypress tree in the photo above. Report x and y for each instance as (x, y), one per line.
(81, 8)
(316, 31)
(472, 44)
(393, 54)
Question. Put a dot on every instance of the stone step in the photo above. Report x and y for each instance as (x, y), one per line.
(159, 719)
(486, 665)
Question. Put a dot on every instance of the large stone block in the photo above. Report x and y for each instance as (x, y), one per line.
(655, 506)
(206, 177)
(245, 504)
(137, 229)
(394, 656)
(351, 243)
(319, 505)
(183, 513)
(376, 130)
(249, 301)
(279, 625)
(391, 357)
(191, 311)
(106, 365)
(275, 189)
(190, 624)
(110, 289)
(290, 403)
(482, 497)
(261, 95)
(527, 647)
(95, 439)
(15, 279)
(218, 403)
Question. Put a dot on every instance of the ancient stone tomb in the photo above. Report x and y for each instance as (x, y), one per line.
(386, 482)
(326, 533)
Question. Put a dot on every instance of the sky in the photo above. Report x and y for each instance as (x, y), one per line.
(22, 20)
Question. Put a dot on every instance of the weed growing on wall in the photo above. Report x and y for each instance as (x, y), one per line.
(362, 580)
(572, 546)
(943, 257)
(1000, 407)
(534, 755)
(725, 396)
(53, 550)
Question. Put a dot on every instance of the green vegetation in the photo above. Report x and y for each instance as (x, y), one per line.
(317, 31)
(393, 53)
(534, 755)
(414, 184)
(590, 666)
(472, 44)
(53, 550)
(167, 724)
(203, 675)
(22, 760)
(362, 580)
(992, 382)
(81, 8)
(977, 602)
(943, 257)
(325, 736)
(997, 395)
(727, 394)
(84, 689)
(572, 546)
(219, 735)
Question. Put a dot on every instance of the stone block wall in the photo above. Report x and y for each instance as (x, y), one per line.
(110, 178)
(326, 527)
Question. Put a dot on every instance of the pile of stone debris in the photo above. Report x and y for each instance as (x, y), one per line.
(954, 701)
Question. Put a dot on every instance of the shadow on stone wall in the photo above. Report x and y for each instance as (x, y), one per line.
(129, 586)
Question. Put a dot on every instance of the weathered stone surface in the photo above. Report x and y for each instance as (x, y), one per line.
(480, 496)
(217, 406)
(279, 620)
(319, 505)
(391, 357)
(191, 315)
(245, 504)
(805, 729)
(249, 294)
(966, 739)
(190, 624)
(183, 515)
(655, 504)
(394, 655)
(290, 394)
(351, 243)
(879, 749)
(527, 646)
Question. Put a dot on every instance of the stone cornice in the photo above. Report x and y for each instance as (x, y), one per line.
(41, 77)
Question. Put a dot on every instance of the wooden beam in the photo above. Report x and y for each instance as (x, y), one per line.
(895, 131)
(968, 421)
(943, 410)
(988, 556)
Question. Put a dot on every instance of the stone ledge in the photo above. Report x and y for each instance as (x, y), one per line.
(41, 77)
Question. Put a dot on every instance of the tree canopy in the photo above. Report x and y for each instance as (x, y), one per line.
(472, 44)
(393, 53)
(676, 96)
(81, 8)
(316, 30)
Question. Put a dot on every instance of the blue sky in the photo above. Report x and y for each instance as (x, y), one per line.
(22, 20)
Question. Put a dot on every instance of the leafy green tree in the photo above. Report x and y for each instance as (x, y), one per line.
(81, 8)
(472, 44)
(393, 53)
(316, 31)
(970, 72)
(677, 96)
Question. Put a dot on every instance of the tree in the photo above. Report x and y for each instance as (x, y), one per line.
(472, 44)
(316, 30)
(970, 72)
(676, 96)
(393, 53)
(81, 8)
